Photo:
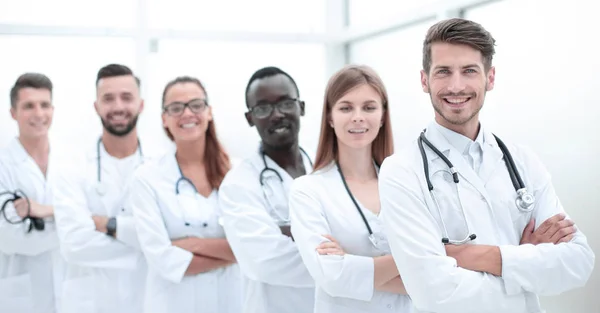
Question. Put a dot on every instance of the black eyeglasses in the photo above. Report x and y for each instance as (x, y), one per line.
(176, 108)
(266, 109)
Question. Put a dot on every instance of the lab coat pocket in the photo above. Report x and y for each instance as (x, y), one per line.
(78, 295)
(15, 294)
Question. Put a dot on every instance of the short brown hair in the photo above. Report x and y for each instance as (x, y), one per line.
(29, 80)
(459, 31)
(346, 79)
(216, 160)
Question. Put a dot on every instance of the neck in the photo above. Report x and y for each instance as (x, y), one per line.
(120, 147)
(469, 129)
(37, 147)
(356, 164)
(287, 157)
(191, 152)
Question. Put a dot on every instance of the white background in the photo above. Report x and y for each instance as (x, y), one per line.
(546, 93)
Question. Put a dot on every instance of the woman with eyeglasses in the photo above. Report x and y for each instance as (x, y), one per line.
(175, 204)
(334, 211)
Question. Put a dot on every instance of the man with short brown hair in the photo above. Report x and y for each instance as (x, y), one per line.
(474, 225)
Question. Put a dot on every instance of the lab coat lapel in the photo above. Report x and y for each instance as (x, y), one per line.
(466, 173)
(492, 158)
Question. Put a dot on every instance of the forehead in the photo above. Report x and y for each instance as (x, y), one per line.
(184, 92)
(360, 94)
(454, 55)
(117, 84)
(271, 89)
(30, 94)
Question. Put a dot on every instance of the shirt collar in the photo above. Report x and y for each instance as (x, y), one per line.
(460, 142)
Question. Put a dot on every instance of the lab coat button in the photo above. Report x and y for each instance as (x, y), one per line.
(187, 224)
(389, 306)
(204, 224)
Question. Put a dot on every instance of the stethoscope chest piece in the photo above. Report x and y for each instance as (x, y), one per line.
(525, 200)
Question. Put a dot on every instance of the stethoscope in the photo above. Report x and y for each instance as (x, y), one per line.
(101, 187)
(372, 237)
(268, 193)
(182, 178)
(524, 200)
(35, 223)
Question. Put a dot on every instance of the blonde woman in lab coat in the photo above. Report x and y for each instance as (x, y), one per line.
(176, 209)
(334, 210)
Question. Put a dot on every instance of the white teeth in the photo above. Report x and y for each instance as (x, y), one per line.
(118, 118)
(188, 125)
(280, 129)
(358, 131)
(457, 100)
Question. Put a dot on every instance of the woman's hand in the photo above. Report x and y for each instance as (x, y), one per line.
(331, 247)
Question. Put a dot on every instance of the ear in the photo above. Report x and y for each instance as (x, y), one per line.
(491, 78)
(209, 115)
(13, 113)
(249, 119)
(302, 108)
(424, 82)
(96, 107)
(141, 106)
(164, 120)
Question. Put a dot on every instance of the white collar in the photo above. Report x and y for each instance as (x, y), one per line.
(460, 142)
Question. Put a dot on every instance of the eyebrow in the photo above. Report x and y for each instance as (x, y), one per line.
(445, 67)
(364, 102)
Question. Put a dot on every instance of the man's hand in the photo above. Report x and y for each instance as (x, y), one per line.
(330, 247)
(479, 258)
(286, 230)
(100, 222)
(554, 230)
(32, 209)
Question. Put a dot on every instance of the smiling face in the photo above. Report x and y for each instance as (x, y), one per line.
(186, 114)
(118, 104)
(275, 110)
(33, 112)
(357, 117)
(457, 84)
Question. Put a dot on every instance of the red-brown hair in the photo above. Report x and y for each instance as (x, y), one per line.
(346, 79)
(216, 159)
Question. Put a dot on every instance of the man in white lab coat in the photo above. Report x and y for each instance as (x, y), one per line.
(97, 235)
(30, 262)
(255, 216)
(475, 226)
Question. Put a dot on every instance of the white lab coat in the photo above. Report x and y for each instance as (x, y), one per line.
(320, 205)
(162, 216)
(104, 274)
(275, 279)
(31, 268)
(432, 279)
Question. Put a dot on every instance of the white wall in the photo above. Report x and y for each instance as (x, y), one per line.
(546, 96)
(224, 67)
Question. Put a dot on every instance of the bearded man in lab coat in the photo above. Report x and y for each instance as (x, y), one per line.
(497, 237)
(255, 216)
(106, 272)
(30, 262)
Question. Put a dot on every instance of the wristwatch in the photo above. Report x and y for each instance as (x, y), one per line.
(111, 226)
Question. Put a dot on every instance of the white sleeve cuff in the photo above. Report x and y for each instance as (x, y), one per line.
(510, 261)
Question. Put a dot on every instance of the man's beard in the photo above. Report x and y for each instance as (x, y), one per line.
(120, 132)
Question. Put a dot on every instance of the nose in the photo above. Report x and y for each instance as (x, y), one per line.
(457, 83)
(38, 111)
(357, 116)
(276, 114)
